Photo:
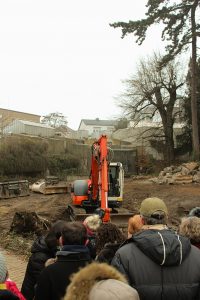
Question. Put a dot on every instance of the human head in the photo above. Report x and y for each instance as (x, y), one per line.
(52, 237)
(195, 212)
(112, 289)
(190, 227)
(108, 233)
(99, 281)
(3, 269)
(74, 233)
(92, 223)
(153, 211)
(135, 223)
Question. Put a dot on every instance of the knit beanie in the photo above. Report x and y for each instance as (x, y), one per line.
(112, 289)
(3, 268)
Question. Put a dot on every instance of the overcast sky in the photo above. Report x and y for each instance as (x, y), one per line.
(62, 56)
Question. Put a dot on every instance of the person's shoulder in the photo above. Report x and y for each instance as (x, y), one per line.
(127, 244)
(193, 257)
(47, 270)
(195, 251)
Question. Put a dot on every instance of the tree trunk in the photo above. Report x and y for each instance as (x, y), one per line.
(167, 122)
(169, 141)
(195, 133)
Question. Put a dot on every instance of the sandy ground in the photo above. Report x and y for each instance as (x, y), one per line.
(179, 199)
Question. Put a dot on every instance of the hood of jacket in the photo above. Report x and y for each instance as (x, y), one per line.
(39, 245)
(83, 281)
(164, 247)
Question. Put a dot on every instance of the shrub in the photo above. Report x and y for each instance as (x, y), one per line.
(22, 157)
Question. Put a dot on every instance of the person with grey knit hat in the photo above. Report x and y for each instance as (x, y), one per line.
(158, 262)
(99, 281)
(8, 288)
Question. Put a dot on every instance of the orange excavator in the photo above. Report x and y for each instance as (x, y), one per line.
(102, 193)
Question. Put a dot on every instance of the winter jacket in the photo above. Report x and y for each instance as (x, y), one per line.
(108, 252)
(5, 293)
(12, 287)
(40, 253)
(91, 244)
(161, 265)
(55, 278)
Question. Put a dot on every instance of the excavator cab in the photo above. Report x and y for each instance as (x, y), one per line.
(81, 190)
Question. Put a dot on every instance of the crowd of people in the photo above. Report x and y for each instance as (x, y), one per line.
(95, 260)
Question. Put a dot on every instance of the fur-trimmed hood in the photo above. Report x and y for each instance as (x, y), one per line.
(83, 281)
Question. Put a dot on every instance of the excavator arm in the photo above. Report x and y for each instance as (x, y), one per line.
(99, 174)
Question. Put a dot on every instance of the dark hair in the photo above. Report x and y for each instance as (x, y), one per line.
(74, 233)
(156, 218)
(108, 233)
(54, 234)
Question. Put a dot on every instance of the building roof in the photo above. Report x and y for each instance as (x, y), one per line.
(98, 122)
(16, 111)
(34, 124)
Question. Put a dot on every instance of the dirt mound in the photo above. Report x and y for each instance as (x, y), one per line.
(24, 223)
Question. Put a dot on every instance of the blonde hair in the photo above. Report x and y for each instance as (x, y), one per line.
(190, 227)
(92, 222)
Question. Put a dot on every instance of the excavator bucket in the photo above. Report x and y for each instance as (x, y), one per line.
(50, 185)
(15, 188)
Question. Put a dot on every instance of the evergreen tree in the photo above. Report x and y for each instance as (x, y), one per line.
(180, 31)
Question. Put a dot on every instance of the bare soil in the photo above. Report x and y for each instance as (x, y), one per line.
(179, 199)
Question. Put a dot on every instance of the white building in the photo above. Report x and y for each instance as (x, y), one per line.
(29, 128)
(97, 127)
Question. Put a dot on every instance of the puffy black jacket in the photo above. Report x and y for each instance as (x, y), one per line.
(161, 265)
(40, 253)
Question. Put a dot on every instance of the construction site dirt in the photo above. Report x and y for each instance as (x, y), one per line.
(179, 199)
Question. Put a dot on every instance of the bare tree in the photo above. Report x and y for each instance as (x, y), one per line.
(154, 90)
(55, 120)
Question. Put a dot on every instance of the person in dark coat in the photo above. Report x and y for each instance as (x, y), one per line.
(55, 278)
(43, 248)
(159, 263)
(108, 239)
